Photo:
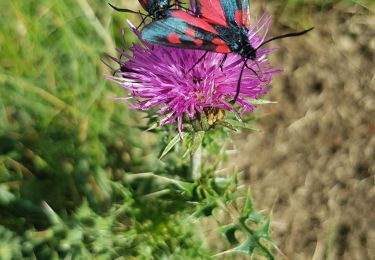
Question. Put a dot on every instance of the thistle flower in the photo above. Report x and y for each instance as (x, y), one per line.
(167, 79)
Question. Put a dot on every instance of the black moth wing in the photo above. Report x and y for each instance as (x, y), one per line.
(224, 12)
(182, 30)
(244, 7)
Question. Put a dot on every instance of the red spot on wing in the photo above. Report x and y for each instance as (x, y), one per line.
(198, 42)
(200, 23)
(190, 32)
(245, 20)
(218, 41)
(223, 49)
(212, 12)
(238, 17)
(173, 38)
(242, 17)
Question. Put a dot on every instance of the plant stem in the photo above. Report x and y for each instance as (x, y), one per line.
(196, 161)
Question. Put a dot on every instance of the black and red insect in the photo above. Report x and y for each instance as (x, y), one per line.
(156, 9)
(219, 26)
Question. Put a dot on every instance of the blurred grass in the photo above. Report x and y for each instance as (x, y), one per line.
(65, 146)
(58, 120)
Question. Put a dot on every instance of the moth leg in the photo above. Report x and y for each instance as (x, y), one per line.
(197, 62)
(180, 7)
(239, 83)
(222, 61)
(250, 68)
(144, 17)
(124, 42)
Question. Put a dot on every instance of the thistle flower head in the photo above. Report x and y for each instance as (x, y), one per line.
(168, 79)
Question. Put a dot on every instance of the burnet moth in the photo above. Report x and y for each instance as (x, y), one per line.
(156, 9)
(219, 26)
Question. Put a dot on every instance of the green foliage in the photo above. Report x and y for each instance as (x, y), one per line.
(218, 196)
(66, 148)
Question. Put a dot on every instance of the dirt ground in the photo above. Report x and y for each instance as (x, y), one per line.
(313, 163)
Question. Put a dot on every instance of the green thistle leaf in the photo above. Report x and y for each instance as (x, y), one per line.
(246, 247)
(248, 206)
(175, 140)
(262, 102)
(206, 210)
(197, 140)
(264, 231)
(228, 125)
(255, 217)
(229, 232)
(241, 125)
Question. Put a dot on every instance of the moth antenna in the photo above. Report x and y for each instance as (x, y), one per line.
(285, 36)
(124, 10)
